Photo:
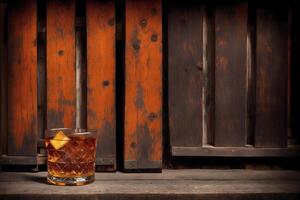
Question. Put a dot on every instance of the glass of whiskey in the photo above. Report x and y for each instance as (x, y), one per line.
(71, 156)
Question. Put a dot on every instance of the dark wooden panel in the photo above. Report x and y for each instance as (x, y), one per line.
(61, 105)
(210, 151)
(143, 82)
(271, 76)
(230, 74)
(101, 75)
(185, 67)
(22, 78)
(3, 76)
(295, 71)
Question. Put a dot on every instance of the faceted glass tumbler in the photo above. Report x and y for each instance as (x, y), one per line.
(71, 156)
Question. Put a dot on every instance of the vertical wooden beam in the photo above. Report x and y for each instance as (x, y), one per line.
(251, 81)
(3, 75)
(185, 66)
(271, 75)
(143, 84)
(230, 74)
(41, 63)
(80, 40)
(22, 78)
(101, 77)
(295, 71)
(208, 75)
(61, 92)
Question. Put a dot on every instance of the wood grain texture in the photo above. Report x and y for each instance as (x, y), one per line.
(295, 71)
(230, 74)
(61, 92)
(185, 74)
(143, 83)
(245, 152)
(101, 75)
(271, 76)
(3, 83)
(41, 66)
(22, 78)
(208, 74)
(171, 184)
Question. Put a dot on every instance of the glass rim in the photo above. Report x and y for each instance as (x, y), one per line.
(74, 132)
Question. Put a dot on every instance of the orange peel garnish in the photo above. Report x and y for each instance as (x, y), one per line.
(59, 140)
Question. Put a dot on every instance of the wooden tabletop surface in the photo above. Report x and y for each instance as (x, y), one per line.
(170, 184)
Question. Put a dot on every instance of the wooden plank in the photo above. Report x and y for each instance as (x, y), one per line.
(230, 74)
(3, 83)
(251, 40)
(143, 82)
(271, 76)
(101, 114)
(171, 184)
(18, 160)
(22, 78)
(61, 92)
(176, 175)
(208, 75)
(210, 151)
(81, 62)
(185, 54)
(41, 63)
(295, 71)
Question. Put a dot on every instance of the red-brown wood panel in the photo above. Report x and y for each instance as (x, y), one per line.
(22, 78)
(185, 73)
(61, 105)
(271, 75)
(100, 17)
(143, 84)
(230, 74)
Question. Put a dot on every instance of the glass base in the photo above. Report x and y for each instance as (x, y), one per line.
(70, 181)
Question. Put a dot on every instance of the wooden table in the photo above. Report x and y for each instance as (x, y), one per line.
(170, 184)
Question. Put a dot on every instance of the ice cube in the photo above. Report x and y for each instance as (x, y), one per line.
(59, 140)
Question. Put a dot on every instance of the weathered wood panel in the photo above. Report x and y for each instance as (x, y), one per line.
(211, 151)
(208, 74)
(61, 92)
(271, 76)
(143, 84)
(22, 78)
(101, 75)
(295, 71)
(192, 184)
(185, 73)
(230, 74)
(41, 63)
(3, 82)
(81, 62)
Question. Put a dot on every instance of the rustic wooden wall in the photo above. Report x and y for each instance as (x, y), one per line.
(69, 64)
(228, 79)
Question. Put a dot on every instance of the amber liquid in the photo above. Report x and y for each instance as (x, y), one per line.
(75, 159)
